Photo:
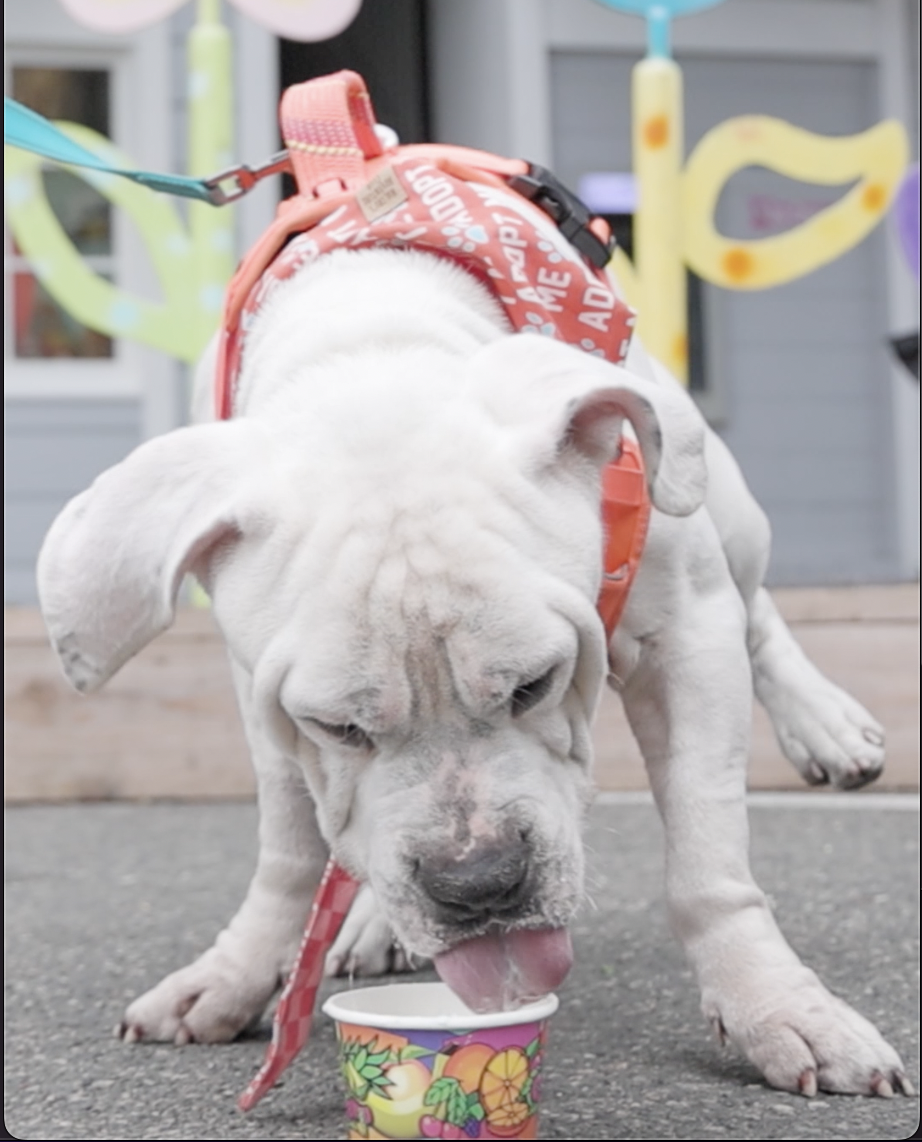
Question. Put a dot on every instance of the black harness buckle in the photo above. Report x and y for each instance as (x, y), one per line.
(571, 215)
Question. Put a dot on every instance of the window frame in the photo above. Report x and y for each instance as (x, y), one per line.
(75, 377)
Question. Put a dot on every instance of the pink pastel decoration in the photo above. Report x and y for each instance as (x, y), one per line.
(294, 19)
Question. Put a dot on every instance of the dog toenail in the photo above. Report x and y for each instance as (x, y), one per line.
(881, 1086)
(807, 1083)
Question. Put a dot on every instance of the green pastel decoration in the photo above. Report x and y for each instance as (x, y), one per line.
(211, 134)
(193, 262)
(170, 325)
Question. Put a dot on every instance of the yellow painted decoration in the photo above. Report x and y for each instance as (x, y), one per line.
(193, 267)
(169, 325)
(657, 288)
(877, 158)
(211, 137)
(211, 130)
(624, 278)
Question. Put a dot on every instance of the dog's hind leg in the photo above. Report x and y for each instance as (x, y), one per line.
(825, 733)
(228, 987)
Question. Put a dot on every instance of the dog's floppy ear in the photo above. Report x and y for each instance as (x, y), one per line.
(112, 563)
(565, 398)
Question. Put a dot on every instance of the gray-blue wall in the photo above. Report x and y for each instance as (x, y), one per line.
(54, 449)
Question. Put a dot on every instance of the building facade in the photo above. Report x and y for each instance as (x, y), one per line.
(799, 380)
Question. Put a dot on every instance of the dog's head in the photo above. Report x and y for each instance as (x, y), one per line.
(410, 590)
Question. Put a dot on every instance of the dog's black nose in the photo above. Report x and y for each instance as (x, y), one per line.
(489, 880)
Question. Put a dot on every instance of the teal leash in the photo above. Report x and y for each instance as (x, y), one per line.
(30, 131)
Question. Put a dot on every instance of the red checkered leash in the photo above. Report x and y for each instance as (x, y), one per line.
(325, 151)
(295, 1012)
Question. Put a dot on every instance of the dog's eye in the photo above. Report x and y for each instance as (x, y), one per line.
(349, 734)
(529, 695)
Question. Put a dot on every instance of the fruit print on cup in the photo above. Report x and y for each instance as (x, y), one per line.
(451, 1082)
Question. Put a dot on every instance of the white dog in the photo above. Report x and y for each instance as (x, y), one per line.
(400, 534)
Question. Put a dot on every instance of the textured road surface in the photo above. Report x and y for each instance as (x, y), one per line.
(101, 900)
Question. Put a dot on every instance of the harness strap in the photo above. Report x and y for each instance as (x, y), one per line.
(329, 129)
(625, 518)
(328, 126)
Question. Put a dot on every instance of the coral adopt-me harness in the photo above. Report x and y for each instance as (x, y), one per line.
(516, 229)
(469, 206)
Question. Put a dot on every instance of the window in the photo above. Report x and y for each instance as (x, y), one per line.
(40, 327)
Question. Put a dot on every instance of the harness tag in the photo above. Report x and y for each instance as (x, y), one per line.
(380, 195)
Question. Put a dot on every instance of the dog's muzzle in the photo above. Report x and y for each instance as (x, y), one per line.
(489, 888)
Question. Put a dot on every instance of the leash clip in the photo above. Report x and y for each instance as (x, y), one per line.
(242, 179)
(573, 219)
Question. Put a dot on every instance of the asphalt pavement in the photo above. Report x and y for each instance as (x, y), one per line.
(102, 899)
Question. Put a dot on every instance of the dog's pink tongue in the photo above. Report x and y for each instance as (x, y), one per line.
(501, 971)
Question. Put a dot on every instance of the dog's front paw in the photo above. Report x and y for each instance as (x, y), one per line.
(366, 944)
(210, 1001)
(804, 1039)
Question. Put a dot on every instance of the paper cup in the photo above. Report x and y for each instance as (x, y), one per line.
(418, 1063)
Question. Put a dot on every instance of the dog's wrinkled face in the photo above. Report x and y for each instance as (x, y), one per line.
(450, 758)
(433, 663)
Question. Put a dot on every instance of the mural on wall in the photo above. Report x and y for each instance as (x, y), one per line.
(193, 260)
(674, 218)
